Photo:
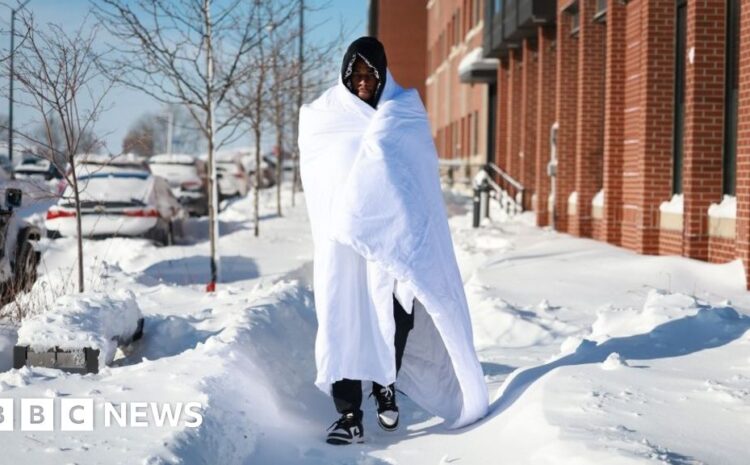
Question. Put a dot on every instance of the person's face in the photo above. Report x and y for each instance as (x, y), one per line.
(363, 80)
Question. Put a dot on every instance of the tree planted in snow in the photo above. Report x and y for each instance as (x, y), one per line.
(190, 53)
(65, 89)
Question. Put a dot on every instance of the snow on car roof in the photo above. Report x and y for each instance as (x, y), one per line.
(125, 159)
(113, 187)
(175, 158)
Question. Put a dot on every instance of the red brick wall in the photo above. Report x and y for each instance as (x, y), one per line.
(649, 100)
(670, 242)
(704, 121)
(452, 106)
(743, 147)
(503, 85)
(545, 117)
(402, 27)
(721, 250)
(527, 153)
(566, 94)
(514, 114)
(614, 124)
(590, 115)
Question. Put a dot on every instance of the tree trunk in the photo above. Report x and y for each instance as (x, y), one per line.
(79, 229)
(213, 209)
(256, 187)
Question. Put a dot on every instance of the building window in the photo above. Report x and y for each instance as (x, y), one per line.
(574, 17)
(601, 10)
(731, 97)
(679, 97)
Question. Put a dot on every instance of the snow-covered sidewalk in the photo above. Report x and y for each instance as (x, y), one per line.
(593, 354)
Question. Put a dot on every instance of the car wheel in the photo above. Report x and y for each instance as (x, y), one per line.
(26, 264)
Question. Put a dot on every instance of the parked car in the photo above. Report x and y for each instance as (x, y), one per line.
(6, 166)
(267, 171)
(37, 168)
(18, 255)
(232, 177)
(187, 177)
(287, 164)
(95, 163)
(130, 204)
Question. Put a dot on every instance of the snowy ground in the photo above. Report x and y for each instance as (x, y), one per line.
(593, 354)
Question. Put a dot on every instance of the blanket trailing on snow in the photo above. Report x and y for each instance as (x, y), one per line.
(378, 218)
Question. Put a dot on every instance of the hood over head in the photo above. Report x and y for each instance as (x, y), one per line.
(372, 52)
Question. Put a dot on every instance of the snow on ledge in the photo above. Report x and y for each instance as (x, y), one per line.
(84, 320)
(674, 205)
(598, 200)
(726, 209)
(474, 59)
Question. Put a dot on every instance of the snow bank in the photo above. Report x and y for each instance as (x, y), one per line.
(85, 320)
(497, 323)
(659, 308)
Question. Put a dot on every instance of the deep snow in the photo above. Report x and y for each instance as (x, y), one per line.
(593, 354)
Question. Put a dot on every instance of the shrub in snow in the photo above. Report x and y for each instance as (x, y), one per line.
(94, 320)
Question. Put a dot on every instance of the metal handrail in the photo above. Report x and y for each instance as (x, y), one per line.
(506, 177)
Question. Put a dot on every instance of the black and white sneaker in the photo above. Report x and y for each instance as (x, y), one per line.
(385, 397)
(346, 430)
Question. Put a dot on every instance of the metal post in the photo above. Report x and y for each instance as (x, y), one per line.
(300, 95)
(476, 214)
(170, 123)
(12, 74)
(10, 88)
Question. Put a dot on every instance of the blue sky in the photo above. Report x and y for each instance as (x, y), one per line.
(127, 105)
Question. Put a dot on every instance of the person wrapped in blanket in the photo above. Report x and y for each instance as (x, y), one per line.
(363, 71)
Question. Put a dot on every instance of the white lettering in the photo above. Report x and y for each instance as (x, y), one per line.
(111, 412)
(166, 412)
(139, 414)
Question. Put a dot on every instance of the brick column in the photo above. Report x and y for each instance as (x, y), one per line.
(590, 116)
(614, 124)
(743, 147)
(649, 101)
(501, 119)
(545, 117)
(527, 151)
(704, 121)
(566, 105)
(514, 114)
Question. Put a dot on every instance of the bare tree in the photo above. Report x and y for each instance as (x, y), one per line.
(141, 136)
(256, 97)
(46, 139)
(58, 73)
(191, 53)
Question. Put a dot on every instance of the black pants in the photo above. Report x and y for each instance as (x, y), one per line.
(347, 393)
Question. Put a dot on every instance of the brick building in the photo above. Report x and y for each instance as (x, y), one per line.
(639, 109)
(402, 28)
(649, 113)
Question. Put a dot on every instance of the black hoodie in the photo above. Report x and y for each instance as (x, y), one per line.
(372, 52)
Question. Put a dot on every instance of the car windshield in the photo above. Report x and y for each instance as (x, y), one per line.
(113, 189)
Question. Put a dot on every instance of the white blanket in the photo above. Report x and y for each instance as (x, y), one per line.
(378, 217)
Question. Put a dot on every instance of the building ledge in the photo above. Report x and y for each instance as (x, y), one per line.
(473, 68)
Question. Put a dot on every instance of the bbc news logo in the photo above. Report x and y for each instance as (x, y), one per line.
(69, 414)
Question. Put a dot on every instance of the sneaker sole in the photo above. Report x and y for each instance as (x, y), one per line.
(343, 442)
(386, 427)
